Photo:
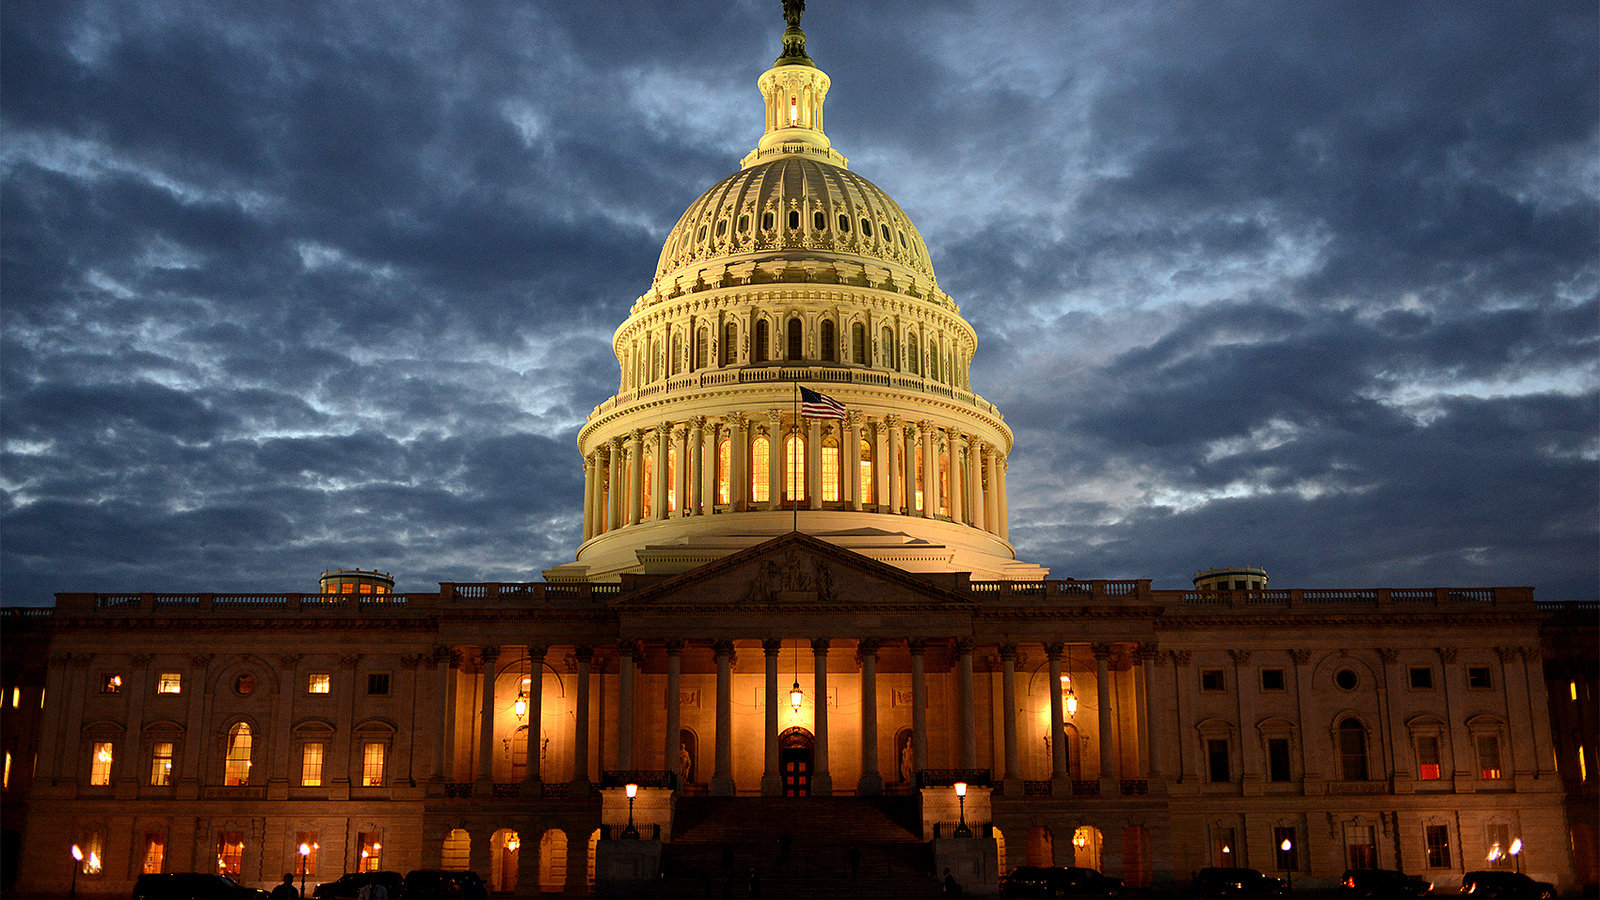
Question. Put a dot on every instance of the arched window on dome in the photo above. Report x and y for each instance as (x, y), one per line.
(858, 343)
(866, 227)
(796, 339)
(794, 487)
(844, 223)
(730, 344)
(761, 340)
(944, 483)
(886, 347)
(827, 340)
(794, 220)
(655, 360)
(760, 453)
(866, 491)
(672, 479)
(649, 465)
(916, 453)
(675, 362)
(819, 221)
(830, 467)
(766, 221)
(724, 470)
(912, 363)
(702, 348)
(933, 360)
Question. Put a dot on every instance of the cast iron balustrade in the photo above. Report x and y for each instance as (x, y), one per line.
(645, 778)
(1135, 787)
(948, 777)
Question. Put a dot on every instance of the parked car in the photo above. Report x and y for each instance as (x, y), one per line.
(1506, 886)
(349, 885)
(1222, 881)
(1058, 881)
(1384, 884)
(192, 886)
(436, 884)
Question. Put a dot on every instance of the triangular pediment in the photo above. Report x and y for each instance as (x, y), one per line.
(796, 572)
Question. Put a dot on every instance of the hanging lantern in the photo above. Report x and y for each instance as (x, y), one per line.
(795, 695)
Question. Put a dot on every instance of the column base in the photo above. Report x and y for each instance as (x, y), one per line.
(722, 786)
(772, 785)
(1061, 787)
(871, 784)
(1012, 787)
(821, 784)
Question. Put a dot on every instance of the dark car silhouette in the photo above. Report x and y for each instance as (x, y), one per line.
(1221, 881)
(1506, 886)
(1059, 881)
(437, 884)
(193, 886)
(1384, 884)
(349, 885)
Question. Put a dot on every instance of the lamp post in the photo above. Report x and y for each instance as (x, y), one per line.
(631, 831)
(1288, 870)
(962, 831)
(77, 863)
(1516, 853)
(305, 853)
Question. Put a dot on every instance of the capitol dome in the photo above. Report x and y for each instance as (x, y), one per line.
(794, 274)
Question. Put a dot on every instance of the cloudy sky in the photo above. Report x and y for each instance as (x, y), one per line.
(290, 286)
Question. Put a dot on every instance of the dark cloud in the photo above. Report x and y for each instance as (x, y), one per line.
(333, 284)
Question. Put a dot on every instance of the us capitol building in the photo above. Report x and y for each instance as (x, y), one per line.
(796, 641)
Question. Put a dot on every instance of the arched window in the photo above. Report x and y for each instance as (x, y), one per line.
(457, 853)
(912, 363)
(730, 343)
(819, 221)
(794, 220)
(794, 488)
(796, 341)
(760, 454)
(552, 861)
(830, 468)
(858, 343)
(519, 751)
(866, 494)
(933, 361)
(724, 470)
(1041, 851)
(1353, 750)
(675, 363)
(827, 340)
(236, 767)
(649, 464)
(504, 847)
(886, 347)
(672, 479)
(761, 341)
(944, 484)
(702, 348)
(916, 453)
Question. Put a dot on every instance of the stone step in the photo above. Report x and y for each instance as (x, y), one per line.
(810, 821)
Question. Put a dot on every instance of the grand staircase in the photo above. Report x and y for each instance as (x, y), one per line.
(798, 847)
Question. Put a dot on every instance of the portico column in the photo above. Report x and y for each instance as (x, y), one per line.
(487, 657)
(588, 496)
(636, 477)
(871, 781)
(532, 775)
(919, 707)
(722, 778)
(612, 500)
(991, 492)
(821, 778)
(626, 651)
(662, 473)
(814, 463)
(1002, 528)
(702, 487)
(1060, 775)
(686, 474)
(771, 779)
(913, 453)
(974, 482)
(930, 471)
(1105, 718)
(852, 454)
(1152, 734)
(580, 716)
(673, 740)
(445, 661)
(739, 462)
(892, 465)
(775, 455)
(1008, 696)
(968, 718)
(957, 455)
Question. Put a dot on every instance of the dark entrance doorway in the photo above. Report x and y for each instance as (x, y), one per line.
(794, 760)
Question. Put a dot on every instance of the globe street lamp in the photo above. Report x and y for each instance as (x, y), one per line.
(631, 831)
(305, 853)
(1516, 853)
(1288, 870)
(962, 831)
(77, 863)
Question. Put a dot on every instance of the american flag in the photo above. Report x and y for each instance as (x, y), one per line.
(819, 406)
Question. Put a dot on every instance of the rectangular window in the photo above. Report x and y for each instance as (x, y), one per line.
(230, 852)
(1224, 850)
(161, 763)
(6, 784)
(1421, 678)
(865, 466)
(1499, 840)
(1437, 838)
(100, 767)
(16, 696)
(1360, 847)
(1478, 678)
(1583, 765)
(155, 852)
(1287, 860)
(319, 683)
(760, 470)
(1272, 680)
(1572, 693)
(110, 683)
(1278, 759)
(371, 852)
(1428, 758)
(1489, 757)
(94, 852)
(1217, 762)
(378, 684)
(305, 849)
(169, 683)
(311, 765)
(830, 473)
(372, 765)
(1212, 680)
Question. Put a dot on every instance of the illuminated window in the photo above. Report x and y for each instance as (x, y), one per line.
(161, 764)
(94, 852)
(236, 766)
(830, 470)
(1428, 758)
(347, 588)
(100, 767)
(308, 840)
(944, 486)
(311, 765)
(245, 685)
(672, 479)
(372, 765)
(867, 495)
(1572, 692)
(724, 470)
(916, 453)
(519, 750)
(795, 471)
(366, 588)
(371, 852)
(169, 683)
(648, 481)
(1437, 839)
(1583, 765)
(319, 683)
(1489, 757)
(110, 683)
(5, 785)
(1498, 837)
(155, 852)
(230, 852)
(456, 852)
(16, 697)
(760, 458)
